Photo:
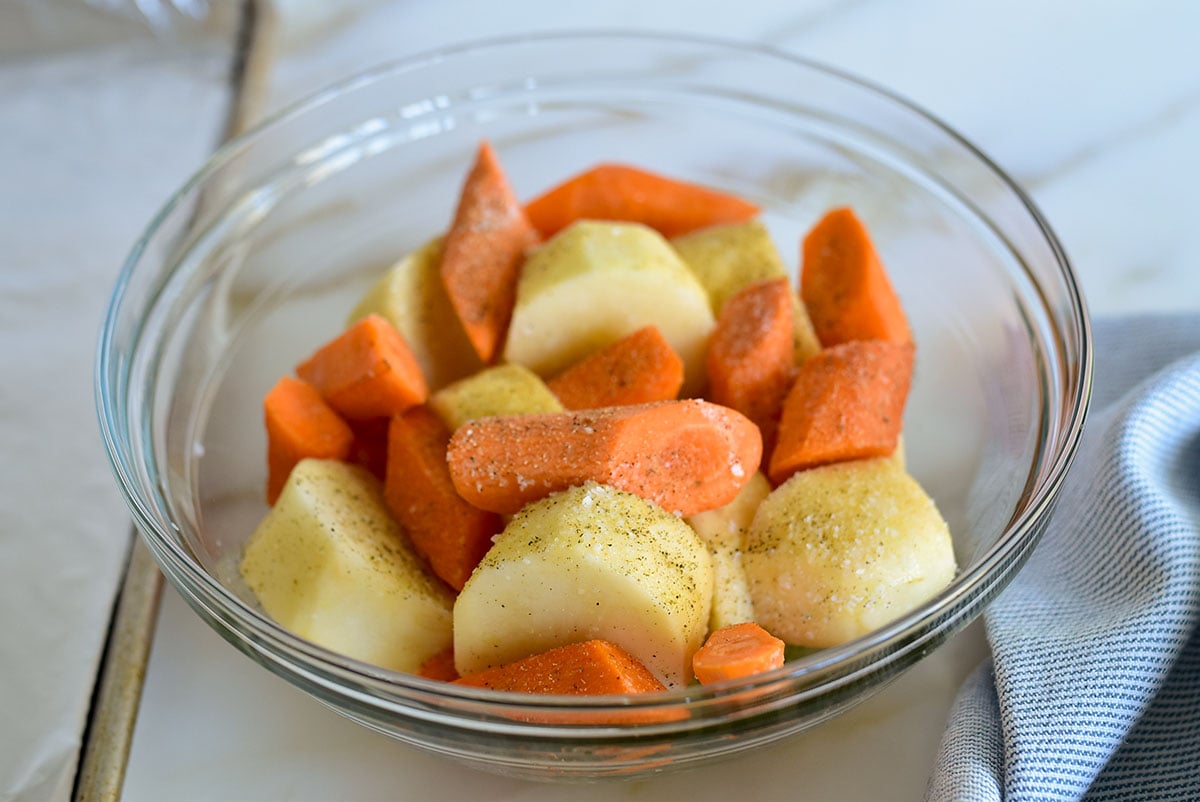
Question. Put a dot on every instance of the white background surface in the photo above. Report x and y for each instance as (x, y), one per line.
(1093, 106)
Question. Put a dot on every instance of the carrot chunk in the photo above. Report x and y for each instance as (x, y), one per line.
(844, 285)
(589, 668)
(686, 456)
(440, 666)
(636, 369)
(735, 651)
(621, 192)
(367, 371)
(751, 354)
(299, 424)
(847, 403)
(447, 531)
(483, 252)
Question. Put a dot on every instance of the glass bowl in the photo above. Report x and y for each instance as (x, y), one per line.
(258, 259)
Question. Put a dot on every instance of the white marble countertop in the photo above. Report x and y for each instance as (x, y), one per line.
(1093, 107)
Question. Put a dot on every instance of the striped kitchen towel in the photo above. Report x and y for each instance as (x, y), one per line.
(1092, 691)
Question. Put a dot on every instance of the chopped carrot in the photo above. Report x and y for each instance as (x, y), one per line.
(299, 424)
(369, 448)
(621, 192)
(447, 531)
(367, 371)
(751, 354)
(686, 456)
(440, 666)
(636, 369)
(847, 403)
(844, 285)
(589, 668)
(483, 252)
(735, 651)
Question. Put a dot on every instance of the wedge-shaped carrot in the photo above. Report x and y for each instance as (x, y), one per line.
(588, 668)
(299, 424)
(440, 666)
(844, 284)
(847, 403)
(447, 531)
(366, 372)
(686, 456)
(482, 253)
(751, 354)
(735, 651)
(622, 192)
(637, 369)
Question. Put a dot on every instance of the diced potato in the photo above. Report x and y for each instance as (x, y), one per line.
(594, 283)
(329, 563)
(501, 390)
(589, 562)
(722, 530)
(837, 551)
(411, 296)
(728, 258)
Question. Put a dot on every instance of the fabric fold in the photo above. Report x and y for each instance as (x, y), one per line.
(1093, 689)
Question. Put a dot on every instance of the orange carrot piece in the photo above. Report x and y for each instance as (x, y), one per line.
(299, 424)
(367, 371)
(588, 668)
(483, 252)
(369, 448)
(440, 666)
(621, 192)
(847, 403)
(636, 369)
(687, 456)
(751, 354)
(844, 285)
(447, 531)
(735, 651)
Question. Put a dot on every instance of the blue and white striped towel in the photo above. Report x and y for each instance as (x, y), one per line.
(1093, 688)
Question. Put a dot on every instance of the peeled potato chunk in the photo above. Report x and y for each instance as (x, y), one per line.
(329, 563)
(586, 563)
(722, 530)
(837, 551)
(595, 282)
(410, 295)
(500, 390)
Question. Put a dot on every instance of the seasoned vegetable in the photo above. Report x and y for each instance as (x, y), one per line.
(483, 252)
(637, 369)
(366, 372)
(300, 424)
(630, 194)
(844, 285)
(837, 551)
(847, 402)
(595, 283)
(589, 562)
(686, 456)
(329, 563)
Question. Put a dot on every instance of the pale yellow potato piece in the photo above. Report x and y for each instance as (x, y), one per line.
(728, 258)
(838, 551)
(412, 297)
(589, 562)
(595, 282)
(722, 530)
(500, 390)
(330, 564)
